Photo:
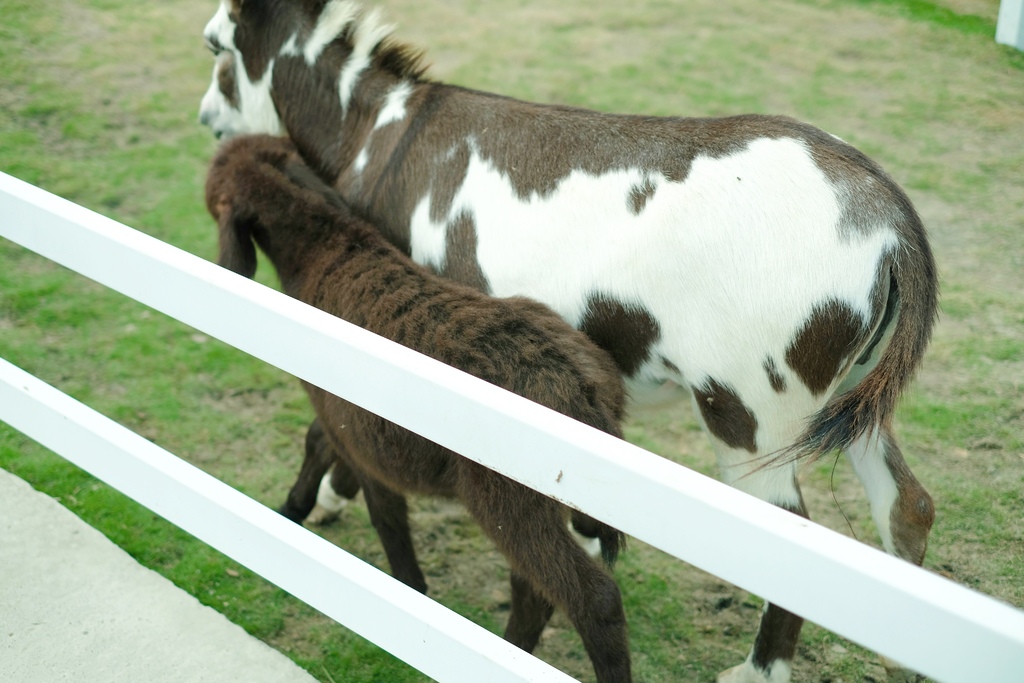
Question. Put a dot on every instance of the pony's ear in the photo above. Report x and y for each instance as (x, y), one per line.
(237, 252)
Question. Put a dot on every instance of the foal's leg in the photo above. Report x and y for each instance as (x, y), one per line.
(529, 615)
(530, 530)
(389, 514)
(531, 611)
(902, 509)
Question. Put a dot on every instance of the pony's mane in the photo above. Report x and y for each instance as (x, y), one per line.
(401, 60)
(369, 38)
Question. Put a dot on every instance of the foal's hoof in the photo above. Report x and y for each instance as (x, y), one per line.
(896, 673)
(905, 676)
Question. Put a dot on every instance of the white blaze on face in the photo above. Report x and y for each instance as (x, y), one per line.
(257, 105)
(255, 112)
(215, 110)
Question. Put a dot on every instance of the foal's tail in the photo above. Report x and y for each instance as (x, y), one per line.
(871, 404)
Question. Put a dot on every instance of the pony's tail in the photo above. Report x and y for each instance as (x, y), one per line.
(870, 405)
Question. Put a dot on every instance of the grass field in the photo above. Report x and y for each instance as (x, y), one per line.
(98, 103)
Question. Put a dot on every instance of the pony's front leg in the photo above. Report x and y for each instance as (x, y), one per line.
(337, 487)
(324, 483)
(902, 509)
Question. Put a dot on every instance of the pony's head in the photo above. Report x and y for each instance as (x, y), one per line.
(250, 37)
(241, 37)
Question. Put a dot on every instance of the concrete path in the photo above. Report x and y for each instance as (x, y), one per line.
(75, 607)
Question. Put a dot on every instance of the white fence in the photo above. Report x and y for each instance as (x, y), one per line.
(1010, 23)
(930, 624)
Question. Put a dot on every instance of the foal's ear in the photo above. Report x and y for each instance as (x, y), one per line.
(303, 176)
(237, 252)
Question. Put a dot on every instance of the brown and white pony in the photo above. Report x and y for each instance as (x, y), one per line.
(772, 269)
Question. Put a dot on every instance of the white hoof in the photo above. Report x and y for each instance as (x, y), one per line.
(746, 672)
(320, 515)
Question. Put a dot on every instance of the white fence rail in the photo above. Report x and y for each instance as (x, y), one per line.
(932, 625)
(404, 622)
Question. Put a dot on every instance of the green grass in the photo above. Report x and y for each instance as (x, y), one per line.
(98, 104)
(946, 18)
(937, 14)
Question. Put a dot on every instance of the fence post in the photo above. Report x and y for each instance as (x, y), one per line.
(1010, 24)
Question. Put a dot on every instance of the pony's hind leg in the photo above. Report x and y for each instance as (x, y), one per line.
(741, 443)
(901, 508)
(337, 487)
(770, 659)
(597, 538)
